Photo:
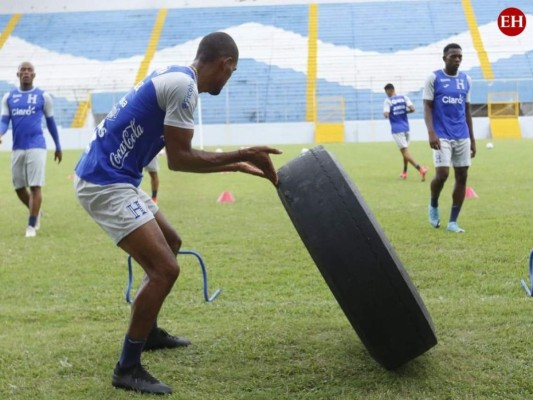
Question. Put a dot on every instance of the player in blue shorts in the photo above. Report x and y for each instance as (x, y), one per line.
(396, 108)
(157, 113)
(451, 135)
(25, 107)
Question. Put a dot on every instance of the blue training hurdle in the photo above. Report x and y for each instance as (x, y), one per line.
(529, 288)
(207, 298)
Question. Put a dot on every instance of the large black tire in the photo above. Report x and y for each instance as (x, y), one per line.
(355, 258)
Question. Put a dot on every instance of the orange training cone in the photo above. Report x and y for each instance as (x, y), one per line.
(470, 194)
(226, 197)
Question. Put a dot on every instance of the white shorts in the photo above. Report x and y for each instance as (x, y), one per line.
(153, 166)
(118, 208)
(401, 139)
(28, 167)
(453, 153)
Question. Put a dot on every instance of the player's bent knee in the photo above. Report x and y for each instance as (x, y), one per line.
(164, 276)
(171, 274)
(442, 176)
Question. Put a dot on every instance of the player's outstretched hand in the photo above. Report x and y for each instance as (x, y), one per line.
(259, 157)
(251, 169)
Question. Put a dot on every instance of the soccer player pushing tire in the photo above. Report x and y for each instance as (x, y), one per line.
(157, 113)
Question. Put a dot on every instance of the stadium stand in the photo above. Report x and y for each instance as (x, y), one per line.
(80, 55)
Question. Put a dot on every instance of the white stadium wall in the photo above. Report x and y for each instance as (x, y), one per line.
(279, 134)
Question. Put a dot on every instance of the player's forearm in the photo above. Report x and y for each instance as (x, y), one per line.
(233, 167)
(203, 161)
(428, 117)
(471, 131)
(52, 128)
(469, 122)
(4, 124)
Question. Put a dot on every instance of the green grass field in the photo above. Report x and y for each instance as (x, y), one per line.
(276, 331)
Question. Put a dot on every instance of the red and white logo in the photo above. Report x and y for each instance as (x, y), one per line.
(512, 21)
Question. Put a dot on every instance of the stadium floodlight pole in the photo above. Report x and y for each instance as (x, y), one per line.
(207, 298)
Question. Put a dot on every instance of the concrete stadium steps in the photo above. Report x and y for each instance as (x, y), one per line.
(76, 53)
(98, 35)
(499, 46)
(501, 51)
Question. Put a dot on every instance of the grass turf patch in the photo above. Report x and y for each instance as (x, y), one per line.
(276, 331)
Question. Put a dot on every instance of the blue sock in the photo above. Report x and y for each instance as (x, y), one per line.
(32, 221)
(434, 202)
(455, 213)
(131, 353)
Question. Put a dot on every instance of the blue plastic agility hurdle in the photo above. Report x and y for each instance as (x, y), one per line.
(529, 287)
(207, 298)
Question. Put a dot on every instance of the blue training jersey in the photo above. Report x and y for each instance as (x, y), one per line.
(450, 95)
(26, 109)
(131, 135)
(397, 107)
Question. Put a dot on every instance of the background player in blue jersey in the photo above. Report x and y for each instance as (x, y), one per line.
(451, 135)
(25, 107)
(157, 113)
(396, 108)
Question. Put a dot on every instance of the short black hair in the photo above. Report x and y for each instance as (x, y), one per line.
(216, 45)
(450, 46)
(389, 86)
(25, 62)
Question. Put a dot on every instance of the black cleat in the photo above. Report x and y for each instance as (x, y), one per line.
(139, 380)
(161, 339)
